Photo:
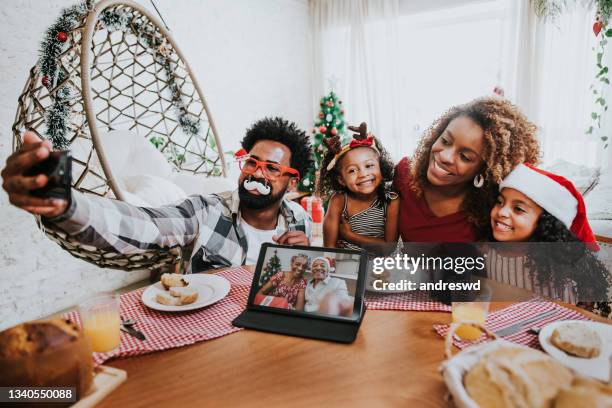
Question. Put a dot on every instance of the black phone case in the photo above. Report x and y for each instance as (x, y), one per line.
(58, 167)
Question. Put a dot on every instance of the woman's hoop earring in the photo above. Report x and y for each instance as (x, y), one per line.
(479, 181)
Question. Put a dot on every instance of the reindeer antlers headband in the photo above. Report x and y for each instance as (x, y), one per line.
(361, 138)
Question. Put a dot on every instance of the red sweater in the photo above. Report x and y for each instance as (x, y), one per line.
(416, 221)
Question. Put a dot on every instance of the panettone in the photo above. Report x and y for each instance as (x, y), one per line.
(48, 353)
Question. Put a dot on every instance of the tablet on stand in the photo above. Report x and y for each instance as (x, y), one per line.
(324, 302)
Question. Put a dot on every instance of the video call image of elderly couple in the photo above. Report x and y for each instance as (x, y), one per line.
(308, 281)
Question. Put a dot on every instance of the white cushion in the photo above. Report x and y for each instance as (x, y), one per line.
(199, 184)
(134, 199)
(582, 176)
(144, 175)
(144, 158)
(129, 154)
(598, 201)
(155, 191)
(602, 228)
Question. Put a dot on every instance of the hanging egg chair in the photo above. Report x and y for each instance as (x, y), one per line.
(116, 67)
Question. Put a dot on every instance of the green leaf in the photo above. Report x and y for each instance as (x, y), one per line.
(604, 138)
(599, 56)
(594, 115)
(601, 72)
(589, 130)
(609, 32)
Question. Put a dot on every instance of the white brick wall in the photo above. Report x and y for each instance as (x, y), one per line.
(252, 59)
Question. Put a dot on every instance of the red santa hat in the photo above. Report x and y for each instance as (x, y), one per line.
(554, 193)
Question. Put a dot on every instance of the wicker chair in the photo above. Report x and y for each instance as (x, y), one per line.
(121, 83)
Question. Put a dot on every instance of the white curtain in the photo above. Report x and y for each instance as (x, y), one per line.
(355, 54)
(399, 65)
(554, 66)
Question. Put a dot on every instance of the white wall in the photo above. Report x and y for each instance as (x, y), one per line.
(252, 59)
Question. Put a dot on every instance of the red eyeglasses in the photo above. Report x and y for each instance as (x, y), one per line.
(273, 171)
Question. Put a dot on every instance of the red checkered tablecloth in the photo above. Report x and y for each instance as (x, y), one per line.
(419, 301)
(169, 330)
(516, 313)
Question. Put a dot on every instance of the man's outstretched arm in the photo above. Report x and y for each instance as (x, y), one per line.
(103, 223)
(120, 227)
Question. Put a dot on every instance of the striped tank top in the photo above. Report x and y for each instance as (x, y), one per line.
(369, 222)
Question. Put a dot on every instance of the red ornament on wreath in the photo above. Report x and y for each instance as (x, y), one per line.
(597, 27)
(323, 129)
(321, 115)
(342, 111)
(45, 81)
(334, 131)
(330, 104)
(61, 36)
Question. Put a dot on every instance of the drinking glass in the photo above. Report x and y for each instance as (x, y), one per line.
(471, 307)
(101, 321)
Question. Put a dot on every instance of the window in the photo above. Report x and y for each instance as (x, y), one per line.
(449, 57)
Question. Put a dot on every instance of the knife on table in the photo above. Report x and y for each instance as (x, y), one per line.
(506, 331)
(133, 332)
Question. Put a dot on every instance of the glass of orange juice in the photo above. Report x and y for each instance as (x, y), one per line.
(472, 307)
(101, 321)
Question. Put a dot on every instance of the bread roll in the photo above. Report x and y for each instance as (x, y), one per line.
(52, 353)
(576, 339)
(171, 280)
(177, 296)
(585, 393)
(165, 298)
(185, 295)
(516, 377)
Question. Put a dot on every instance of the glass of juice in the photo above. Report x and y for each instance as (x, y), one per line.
(101, 321)
(471, 307)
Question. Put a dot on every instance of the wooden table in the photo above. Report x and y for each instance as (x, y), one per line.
(393, 362)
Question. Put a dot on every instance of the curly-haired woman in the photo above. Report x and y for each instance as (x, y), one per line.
(450, 185)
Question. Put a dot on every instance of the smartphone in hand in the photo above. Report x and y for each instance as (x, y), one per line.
(58, 168)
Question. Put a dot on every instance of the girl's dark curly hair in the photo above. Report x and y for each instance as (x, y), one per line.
(328, 180)
(280, 130)
(558, 257)
(509, 139)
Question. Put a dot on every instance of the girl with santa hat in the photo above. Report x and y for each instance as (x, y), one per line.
(538, 206)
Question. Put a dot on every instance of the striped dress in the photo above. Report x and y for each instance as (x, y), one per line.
(369, 222)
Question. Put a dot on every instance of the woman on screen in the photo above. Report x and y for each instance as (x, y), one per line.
(325, 289)
(289, 284)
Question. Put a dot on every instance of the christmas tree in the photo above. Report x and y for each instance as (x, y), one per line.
(329, 123)
(272, 268)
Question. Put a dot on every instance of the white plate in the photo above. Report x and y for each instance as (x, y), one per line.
(211, 289)
(598, 367)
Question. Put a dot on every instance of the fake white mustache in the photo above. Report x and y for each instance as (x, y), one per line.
(263, 189)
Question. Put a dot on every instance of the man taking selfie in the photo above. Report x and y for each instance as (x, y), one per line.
(225, 229)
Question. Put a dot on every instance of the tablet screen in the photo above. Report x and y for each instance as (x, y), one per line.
(308, 280)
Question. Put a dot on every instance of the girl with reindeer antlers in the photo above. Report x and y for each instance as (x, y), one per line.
(362, 211)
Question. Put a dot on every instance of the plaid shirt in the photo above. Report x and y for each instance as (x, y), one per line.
(210, 223)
